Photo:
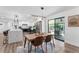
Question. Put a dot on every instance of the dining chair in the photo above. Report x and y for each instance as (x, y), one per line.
(48, 39)
(37, 42)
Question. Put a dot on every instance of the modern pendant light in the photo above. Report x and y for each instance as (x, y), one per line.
(42, 8)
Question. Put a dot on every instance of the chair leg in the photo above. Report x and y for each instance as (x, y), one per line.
(51, 45)
(42, 48)
(46, 47)
(35, 49)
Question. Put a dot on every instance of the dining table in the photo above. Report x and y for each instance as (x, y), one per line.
(30, 37)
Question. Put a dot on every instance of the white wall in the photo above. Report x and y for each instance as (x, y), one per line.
(44, 25)
(3, 27)
(71, 33)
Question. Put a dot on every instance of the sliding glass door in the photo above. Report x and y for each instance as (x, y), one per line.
(57, 27)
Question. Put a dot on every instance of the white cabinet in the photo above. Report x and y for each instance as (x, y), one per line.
(15, 35)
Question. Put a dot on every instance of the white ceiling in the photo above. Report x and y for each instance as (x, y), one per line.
(25, 12)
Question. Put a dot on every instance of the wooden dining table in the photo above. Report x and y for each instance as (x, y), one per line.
(30, 37)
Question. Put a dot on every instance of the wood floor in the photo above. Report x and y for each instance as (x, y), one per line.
(18, 48)
(10, 48)
(71, 48)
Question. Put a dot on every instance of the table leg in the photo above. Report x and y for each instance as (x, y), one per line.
(24, 42)
(28, 46)
(53, 41)
(31, 48)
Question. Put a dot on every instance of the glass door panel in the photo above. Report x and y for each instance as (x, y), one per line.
(51, 26)
(59, 28)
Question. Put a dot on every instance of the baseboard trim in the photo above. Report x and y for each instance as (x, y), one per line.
(71, 48)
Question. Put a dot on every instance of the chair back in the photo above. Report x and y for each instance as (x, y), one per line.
(37, 41)
(48, 38)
